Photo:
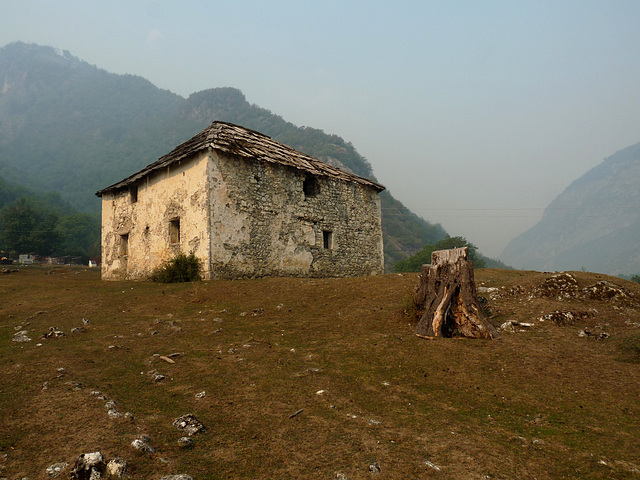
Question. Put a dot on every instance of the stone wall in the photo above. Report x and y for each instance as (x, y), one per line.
(138, 225)
(242, 218)
(270, 219)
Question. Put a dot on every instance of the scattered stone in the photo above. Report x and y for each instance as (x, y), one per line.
(201, 394)
(129, 416)
(588, 333)
(166, 359)
(182, 476)
(142, 446)
(341, 476)
(185, 442)
(21, 336)
(608, 292)
(374, 468)
(5, 271)
(565, 317)
(56, 469)
(156, 376)
(189, 424)
(432, 465)
(117, 467)
(561, 286)
(78, 330)
(54, 332)
(88, 466)
(374, 422)
(510, 326)
(320, 392)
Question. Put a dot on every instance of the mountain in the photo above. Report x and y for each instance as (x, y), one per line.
(71, 127)
(594, 224)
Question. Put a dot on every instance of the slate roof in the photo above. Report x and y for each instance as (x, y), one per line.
(236, 140)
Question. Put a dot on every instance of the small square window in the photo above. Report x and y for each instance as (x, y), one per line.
(327, 239)
(174, 231)
(310, 186)
(133, 194)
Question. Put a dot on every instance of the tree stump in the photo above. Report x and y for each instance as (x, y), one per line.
(446, 300)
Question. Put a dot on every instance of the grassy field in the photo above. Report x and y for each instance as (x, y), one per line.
(309, 378)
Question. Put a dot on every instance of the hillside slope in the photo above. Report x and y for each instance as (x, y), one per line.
(308, 378)
(594, 224)
(71, 127)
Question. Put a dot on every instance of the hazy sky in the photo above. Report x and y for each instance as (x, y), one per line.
(475, 114)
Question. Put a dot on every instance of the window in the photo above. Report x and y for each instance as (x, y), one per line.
(174, 231)
(124, 245)
(327, 239)
(310, 186)
(133, 194)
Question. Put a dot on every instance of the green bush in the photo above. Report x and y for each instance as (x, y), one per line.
(181, 268)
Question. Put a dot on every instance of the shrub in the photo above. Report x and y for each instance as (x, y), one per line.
(181, 268)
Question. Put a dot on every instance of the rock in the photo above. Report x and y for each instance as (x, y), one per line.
(117, 467)
(56, 469)
(182, 476)
(88, 466)
(85, 321)
(54, 332)
(78, 330)
(21, 336)
(185, 442)
(114, 414)
(374, 467)
(432, 465)
(510, 326)
(561, 286)
(201, 394)
(608, 292)
(189, 424)
(341, 476)
(142, 446)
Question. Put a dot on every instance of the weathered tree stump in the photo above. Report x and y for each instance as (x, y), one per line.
(446, 300)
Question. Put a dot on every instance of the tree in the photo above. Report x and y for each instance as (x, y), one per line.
(28, 228)
(423, 257)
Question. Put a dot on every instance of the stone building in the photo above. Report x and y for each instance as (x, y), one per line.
(247, 206)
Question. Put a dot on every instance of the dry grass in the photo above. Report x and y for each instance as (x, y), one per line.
(542, 404)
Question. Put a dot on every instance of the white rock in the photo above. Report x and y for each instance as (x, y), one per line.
(117, 467)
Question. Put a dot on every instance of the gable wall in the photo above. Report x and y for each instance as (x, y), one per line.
(263, 224)
(179, 192)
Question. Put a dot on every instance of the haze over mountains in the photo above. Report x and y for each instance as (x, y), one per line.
(593, 225)
(71, 127)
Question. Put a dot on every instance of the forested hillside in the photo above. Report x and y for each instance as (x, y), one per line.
(70, 127)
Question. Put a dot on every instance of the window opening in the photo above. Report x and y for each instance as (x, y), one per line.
(133, 194)
(174, 231)
(310, 186)
(327, 239)
(124, 245)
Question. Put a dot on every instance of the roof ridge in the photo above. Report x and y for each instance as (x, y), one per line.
(238, 140)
